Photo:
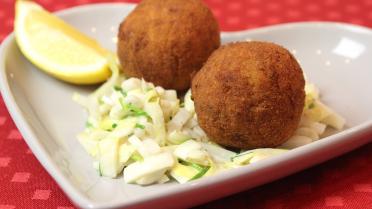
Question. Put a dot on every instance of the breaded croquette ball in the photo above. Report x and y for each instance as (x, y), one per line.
(167, 41)
(249, 95)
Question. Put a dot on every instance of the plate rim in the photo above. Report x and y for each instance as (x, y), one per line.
(80, 199)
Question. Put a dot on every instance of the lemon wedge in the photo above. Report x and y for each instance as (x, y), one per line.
(58, 48)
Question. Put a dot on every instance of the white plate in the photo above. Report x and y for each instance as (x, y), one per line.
(336, 57)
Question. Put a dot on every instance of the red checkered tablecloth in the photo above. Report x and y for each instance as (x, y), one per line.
(345, 182)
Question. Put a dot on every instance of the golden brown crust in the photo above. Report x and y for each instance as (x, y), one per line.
(166, 41)
(249, 95)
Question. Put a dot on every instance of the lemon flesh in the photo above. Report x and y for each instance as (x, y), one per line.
(58, 48)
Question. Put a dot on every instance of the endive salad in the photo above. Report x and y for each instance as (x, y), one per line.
(149, 135)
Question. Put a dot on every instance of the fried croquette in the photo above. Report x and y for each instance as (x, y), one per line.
(167, 41)
(249, 95)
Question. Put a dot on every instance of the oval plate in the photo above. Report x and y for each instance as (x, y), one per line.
(336, 57)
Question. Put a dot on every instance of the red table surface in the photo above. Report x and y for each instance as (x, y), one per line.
(345, 182)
